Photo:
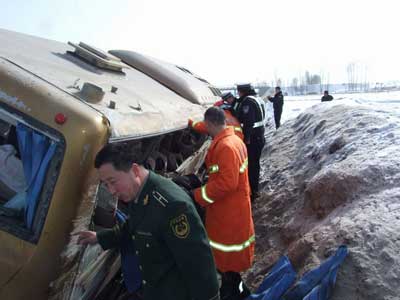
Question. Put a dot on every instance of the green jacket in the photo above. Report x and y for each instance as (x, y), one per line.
(173, 249)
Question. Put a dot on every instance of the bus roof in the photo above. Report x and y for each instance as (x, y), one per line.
(145, 99)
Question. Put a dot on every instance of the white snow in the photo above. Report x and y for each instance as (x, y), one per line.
(389, 101)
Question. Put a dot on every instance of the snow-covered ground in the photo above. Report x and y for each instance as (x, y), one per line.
(330, 176)
(294, 105)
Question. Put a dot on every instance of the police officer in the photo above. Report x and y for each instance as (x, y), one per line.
(226, 102)
(250, 111)
(170, 241)
(277, 101)
(326, 97)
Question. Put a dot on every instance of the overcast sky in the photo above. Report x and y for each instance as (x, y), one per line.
(228, 41)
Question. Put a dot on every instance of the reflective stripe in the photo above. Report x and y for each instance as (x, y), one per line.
(232, 248)
(204, 194)
(244, 165)
(258, 124)
(235, 128)
(213, 169)
(263, 110)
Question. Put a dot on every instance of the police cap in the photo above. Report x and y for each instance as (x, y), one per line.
(226, 96)
(245, 88)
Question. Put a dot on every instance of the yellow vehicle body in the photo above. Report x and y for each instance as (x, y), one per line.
(26, 267)
(41, 79)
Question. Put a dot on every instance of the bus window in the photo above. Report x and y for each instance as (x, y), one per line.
(29, 160)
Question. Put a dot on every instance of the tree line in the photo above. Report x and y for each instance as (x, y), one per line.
(308, 82)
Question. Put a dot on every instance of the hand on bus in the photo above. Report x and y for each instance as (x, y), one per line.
(86, 237)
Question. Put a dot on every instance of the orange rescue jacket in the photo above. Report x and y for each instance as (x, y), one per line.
(231, 121)
(226, 198)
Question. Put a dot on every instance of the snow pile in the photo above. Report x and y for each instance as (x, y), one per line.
(384, 100)
(331, 176)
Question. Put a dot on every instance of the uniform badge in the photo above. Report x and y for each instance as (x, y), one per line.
(180, 226)
(246, 109)
(146, 200)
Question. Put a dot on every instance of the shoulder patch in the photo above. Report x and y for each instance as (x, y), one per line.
(160, 198)
(180, 226)
(246, 109)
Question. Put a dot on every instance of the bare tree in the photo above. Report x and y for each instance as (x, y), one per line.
(276, 78)
(351, 78)
(303, 84)
(315, 79)
(307, 76)
(327, 82)
(321, 83)
(357, 79)
(366, 85)
(295, 82)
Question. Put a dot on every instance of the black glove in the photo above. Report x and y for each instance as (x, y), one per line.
(188, 182)
(195, 181)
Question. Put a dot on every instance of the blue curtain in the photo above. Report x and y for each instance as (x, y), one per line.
(36, 151)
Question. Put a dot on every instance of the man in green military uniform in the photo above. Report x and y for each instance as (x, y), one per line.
(171, 243)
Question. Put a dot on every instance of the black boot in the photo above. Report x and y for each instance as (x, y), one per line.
(244, 291)
(233, 288)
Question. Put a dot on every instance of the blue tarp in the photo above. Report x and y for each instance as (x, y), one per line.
(129, 261)
(317, 284)
(279, 279)
(36, 153)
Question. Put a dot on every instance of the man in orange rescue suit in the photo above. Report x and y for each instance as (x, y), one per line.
(226, 198)
(231, 121)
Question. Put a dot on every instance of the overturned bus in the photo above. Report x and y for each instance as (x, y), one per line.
(59, 104)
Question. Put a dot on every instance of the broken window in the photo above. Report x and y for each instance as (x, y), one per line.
(30, 157)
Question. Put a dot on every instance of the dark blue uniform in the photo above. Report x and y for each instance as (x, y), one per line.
(326, 98)
(250, 111)
(277, 101)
